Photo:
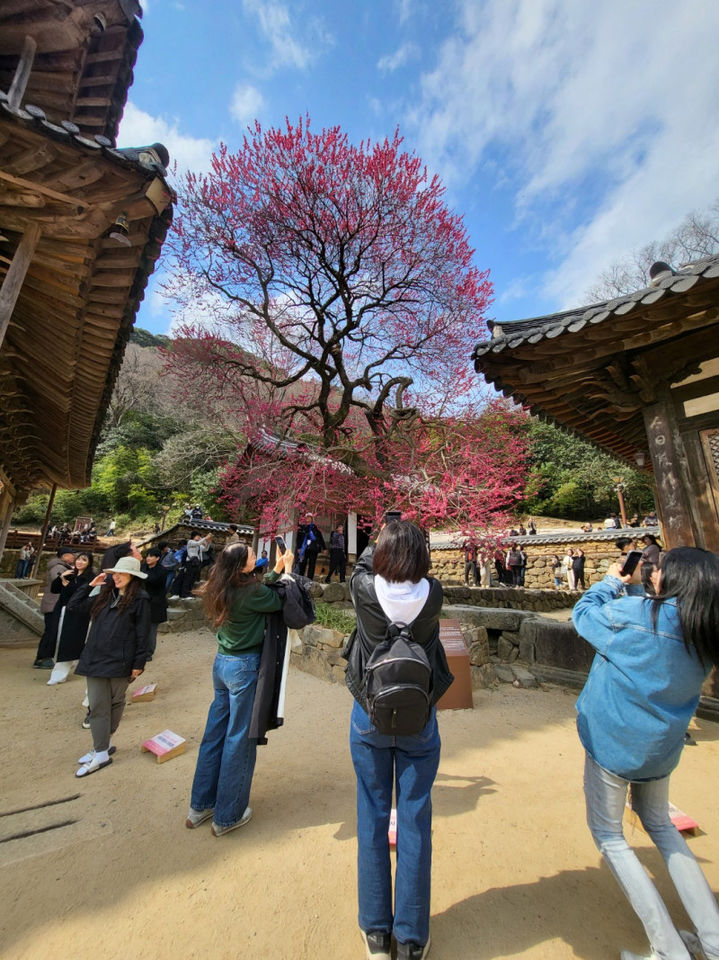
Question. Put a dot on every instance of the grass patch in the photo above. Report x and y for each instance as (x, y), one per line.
(327, 615)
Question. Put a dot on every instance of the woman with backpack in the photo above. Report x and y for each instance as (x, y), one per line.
(390, 586)
(652, 657)
(236, 604)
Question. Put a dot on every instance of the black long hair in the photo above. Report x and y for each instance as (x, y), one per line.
(88, 573)
(691, 575)
(226, 576)
(401, 553)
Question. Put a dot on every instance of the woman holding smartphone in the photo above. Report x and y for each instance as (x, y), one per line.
(652, 657)
(236, 603)
(71, 624)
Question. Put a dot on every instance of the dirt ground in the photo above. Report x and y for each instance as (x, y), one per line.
(105, 868)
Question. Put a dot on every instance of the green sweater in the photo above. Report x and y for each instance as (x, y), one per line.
(244, 629)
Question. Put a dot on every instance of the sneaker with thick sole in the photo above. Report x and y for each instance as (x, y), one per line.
(412, 951)
(196, 817)
(377, 944)
(218, 831)
(86, 721)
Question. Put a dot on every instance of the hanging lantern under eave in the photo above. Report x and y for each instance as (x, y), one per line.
(120, 230)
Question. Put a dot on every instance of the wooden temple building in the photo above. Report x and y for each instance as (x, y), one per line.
(638, 376)
(81, 226)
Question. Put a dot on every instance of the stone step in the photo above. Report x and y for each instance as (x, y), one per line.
(27, 614)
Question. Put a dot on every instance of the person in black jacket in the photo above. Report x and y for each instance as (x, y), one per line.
(310, 543)
(115, 652)
(390, 584)
(155, 588)
(71, 625)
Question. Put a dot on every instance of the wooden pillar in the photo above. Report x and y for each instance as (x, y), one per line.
(15, 276)
(352, 533)
(43, 532)
(671, 473)
(8, 497)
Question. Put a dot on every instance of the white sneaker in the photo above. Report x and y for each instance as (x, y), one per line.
(245, 818)
(196, 817)
(628, 955)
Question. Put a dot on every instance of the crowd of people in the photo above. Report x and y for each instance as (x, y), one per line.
(656, 636)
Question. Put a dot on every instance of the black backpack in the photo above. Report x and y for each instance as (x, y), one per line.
(398, 683)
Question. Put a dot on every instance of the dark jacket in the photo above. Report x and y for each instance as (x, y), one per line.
(372, 629)
(155, 588)
(117, 642)
(55, 567)
(297, 612)
(315, 544)
(75, 621)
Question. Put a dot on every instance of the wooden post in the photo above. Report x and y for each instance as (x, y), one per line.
(666, 451)
(22, 74)
(622, 507)
(7, 502)
(43, 532)
(15, 276)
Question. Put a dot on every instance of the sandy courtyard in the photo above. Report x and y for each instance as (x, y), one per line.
(515, 872)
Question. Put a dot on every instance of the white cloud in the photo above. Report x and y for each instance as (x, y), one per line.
(401, 56)
(246, 104)
(139, 128)
(405, 11)
(602, 115)
(292, 45)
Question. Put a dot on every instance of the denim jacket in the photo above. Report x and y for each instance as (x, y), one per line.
(643, 687)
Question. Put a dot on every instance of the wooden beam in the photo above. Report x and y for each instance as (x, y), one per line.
(15, 277)
(31, 186)
(22, 74)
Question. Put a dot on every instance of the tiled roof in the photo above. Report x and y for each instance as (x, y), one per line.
(511, 335)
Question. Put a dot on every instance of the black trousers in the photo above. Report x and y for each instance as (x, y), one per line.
(338, 564)
(48, 641)
(308, 563)
(192, 572)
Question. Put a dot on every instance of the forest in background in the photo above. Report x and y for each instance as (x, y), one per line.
(159, 450)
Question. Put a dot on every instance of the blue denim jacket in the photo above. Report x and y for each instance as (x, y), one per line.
(643, 687)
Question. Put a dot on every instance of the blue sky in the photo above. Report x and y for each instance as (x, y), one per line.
(567, 133)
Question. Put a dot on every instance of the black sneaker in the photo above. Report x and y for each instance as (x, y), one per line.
(378, 944)
(86, 721)
(47, 664)
(412, 951)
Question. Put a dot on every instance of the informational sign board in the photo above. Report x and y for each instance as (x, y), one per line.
(459, 695)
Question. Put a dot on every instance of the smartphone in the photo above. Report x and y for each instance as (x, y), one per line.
(392, 515)
(281, 545)
(630, 562)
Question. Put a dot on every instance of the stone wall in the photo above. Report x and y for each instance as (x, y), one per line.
(448, 563)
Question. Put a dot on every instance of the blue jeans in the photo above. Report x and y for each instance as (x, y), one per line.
(605, 794)
(409, 764)
(226, 760)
